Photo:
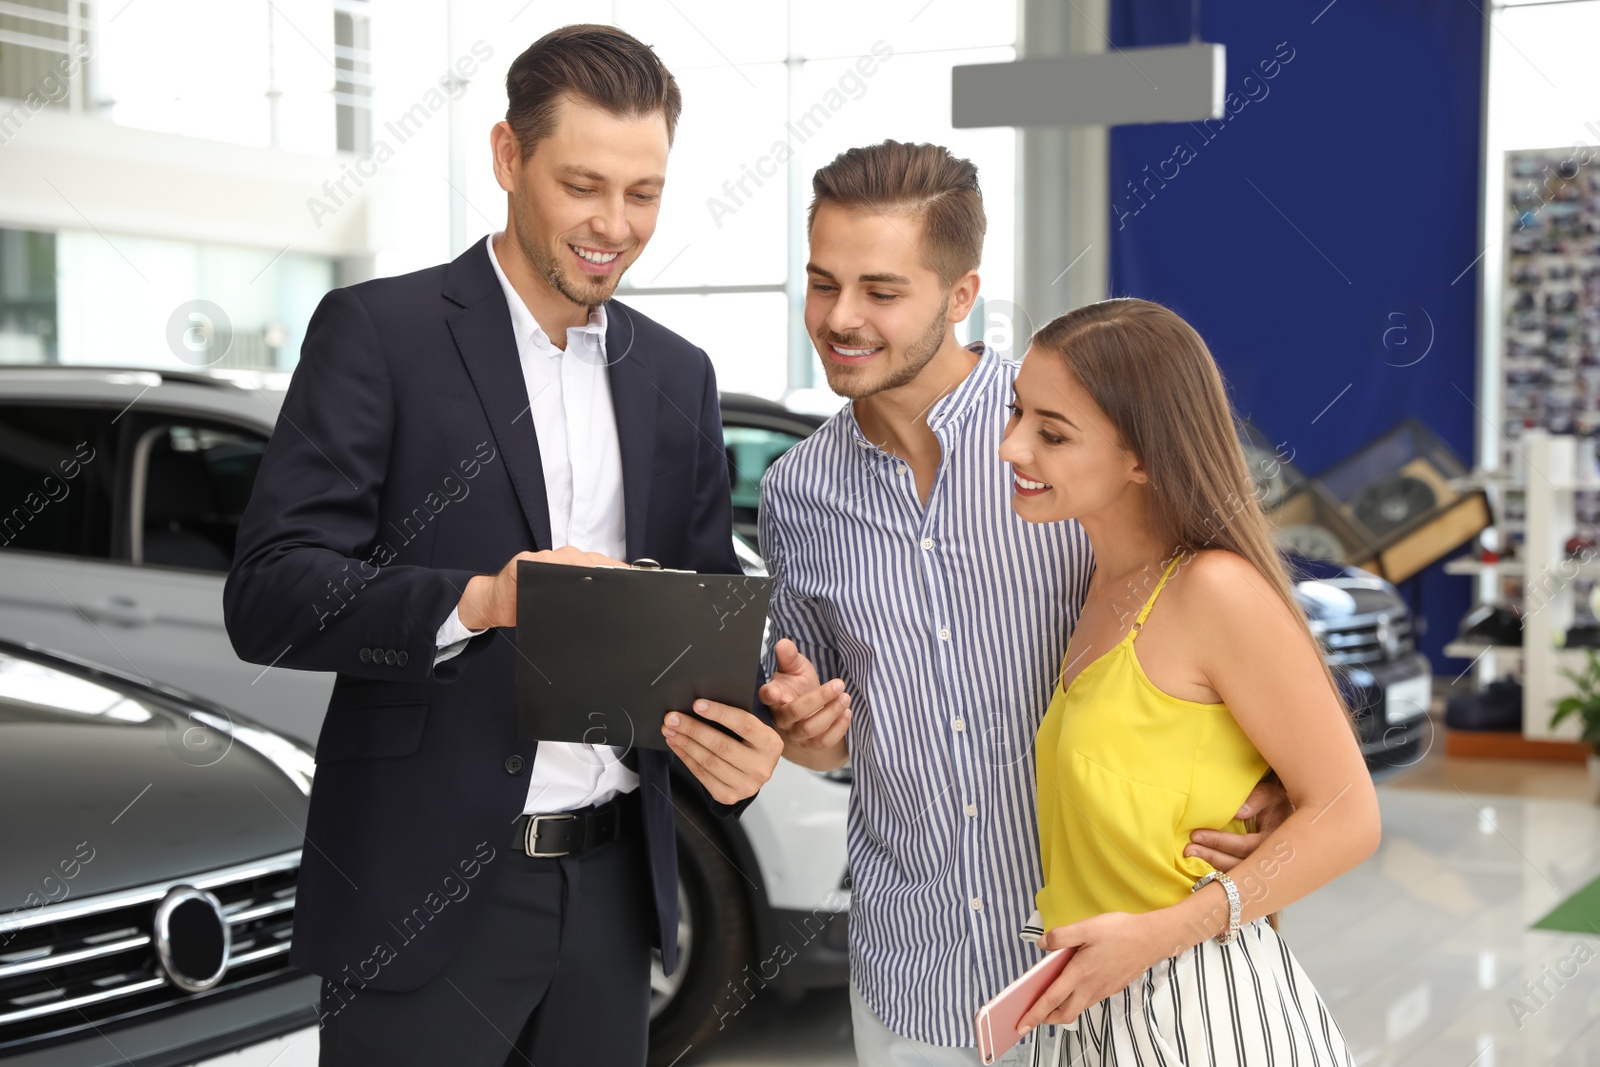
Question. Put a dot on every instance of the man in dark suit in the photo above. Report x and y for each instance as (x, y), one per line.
(468, 897)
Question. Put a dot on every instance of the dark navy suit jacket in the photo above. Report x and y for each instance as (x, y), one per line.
(404, 462)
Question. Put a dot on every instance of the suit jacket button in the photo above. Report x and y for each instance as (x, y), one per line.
(389, 657)
(514, 764)
(366, 655)
(400, 658)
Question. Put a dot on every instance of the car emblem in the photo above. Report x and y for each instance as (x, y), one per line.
(1386, 636)
(193, 939)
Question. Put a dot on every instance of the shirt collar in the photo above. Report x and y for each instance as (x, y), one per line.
(525, 326)
(959, 400)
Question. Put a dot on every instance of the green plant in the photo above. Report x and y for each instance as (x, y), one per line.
(1585, 704)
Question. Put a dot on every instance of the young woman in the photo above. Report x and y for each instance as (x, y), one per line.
(1163, 721)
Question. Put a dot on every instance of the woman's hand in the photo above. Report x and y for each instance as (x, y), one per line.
(1112, 950)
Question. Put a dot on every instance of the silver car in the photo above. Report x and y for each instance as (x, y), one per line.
(120, 496)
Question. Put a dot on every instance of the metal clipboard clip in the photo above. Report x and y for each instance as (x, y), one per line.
(646, 564)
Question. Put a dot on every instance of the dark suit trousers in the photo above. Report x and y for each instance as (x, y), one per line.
(555, 971)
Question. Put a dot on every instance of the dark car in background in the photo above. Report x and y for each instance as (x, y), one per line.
(1369, 639)
(147, 871)
(756, 432)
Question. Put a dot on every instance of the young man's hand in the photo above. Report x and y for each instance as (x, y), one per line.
(812, 718)
(1268, 803)
(731, 768)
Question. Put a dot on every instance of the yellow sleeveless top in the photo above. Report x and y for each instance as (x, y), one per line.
(1126, 772)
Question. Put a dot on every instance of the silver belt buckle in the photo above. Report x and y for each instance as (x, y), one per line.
(531, 836)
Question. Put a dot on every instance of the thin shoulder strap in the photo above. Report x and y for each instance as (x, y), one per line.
(1138, 623)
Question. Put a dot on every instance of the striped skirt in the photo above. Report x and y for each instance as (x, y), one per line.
(1237, 1005)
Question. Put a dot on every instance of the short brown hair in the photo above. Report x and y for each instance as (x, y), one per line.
(600, 65)
(924, 180)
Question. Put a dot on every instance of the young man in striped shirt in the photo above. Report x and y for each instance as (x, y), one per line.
(903, 575)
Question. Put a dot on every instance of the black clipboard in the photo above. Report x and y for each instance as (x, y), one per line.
(605, 652)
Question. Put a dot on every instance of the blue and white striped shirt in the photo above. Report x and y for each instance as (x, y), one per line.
(948, 625)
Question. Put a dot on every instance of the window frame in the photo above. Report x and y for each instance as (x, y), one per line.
(137, 442)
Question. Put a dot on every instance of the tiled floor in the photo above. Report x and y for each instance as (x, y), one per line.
(1422, 952)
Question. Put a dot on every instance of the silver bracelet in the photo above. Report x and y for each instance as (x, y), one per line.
(1232, 932)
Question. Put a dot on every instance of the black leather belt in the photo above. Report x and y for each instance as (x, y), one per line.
(565, 833)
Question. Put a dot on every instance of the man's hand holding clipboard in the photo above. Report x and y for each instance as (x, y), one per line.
(578, 640)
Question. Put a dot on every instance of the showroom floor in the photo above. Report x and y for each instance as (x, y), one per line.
(1422, 951)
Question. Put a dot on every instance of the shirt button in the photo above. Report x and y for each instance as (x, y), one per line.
(977, 903)
(927, 542)
(958, 725)
(514, 764)
(944, 633)
(972, 811)
(901, 469)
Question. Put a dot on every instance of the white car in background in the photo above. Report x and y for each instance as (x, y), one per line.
(121, 492)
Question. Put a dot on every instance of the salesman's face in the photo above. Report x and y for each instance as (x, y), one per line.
(584, 203)
(876, 311)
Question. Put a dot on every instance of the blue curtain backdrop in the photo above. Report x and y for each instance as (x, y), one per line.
(1321, 235)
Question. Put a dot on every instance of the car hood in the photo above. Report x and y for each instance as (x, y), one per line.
(108, 784)
(1329, 592)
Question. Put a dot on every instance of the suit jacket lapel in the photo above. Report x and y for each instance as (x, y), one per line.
(634, 398)
(483, 335)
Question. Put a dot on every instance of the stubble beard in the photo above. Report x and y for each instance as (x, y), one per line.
(547, 264)
(846, 383)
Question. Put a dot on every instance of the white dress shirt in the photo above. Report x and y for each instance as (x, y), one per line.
(569, 401)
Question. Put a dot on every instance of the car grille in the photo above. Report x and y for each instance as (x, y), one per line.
(1371, 639)
(76, 965)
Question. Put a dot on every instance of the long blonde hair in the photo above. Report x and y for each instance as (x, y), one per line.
(1158, 384)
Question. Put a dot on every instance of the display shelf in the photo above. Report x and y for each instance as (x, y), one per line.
(1548, 579)
(1508, 744)
(1546, 576)
(1473, 649)
(1511, 568)
(1565, 567)
(1482, 479)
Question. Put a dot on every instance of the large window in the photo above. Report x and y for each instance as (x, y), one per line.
(771, 93)
(352, 92)
(27, 296)
(406, 96)
(44, 46)
(284, 74)
(178, 305)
